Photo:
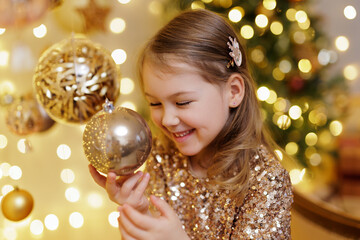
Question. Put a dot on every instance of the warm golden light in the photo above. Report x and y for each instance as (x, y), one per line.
(272, 97)
(263, 93)
(113, 216)
(235, 15)
(295, 112)
(15, 172)
(261, 20)
(291, 148)
(22, 145)
(76, 220)
(336, 128)
(304, 25)
(349, 12)
(280, 105)
(311, 139)
(3, 141)
(124, 1)
(51, 222)
(299, 37)
(278, 74)
(40, 31)
(301, 16)
(63, 151)
(283, 122)
(304, 65)
(67, 176)
(269, 4)
(324, 57)
(247, 31)
(257, 55)
(351, 72)
(36, 227)
(95, 200)
(296, 175)
(276, 28)
(127, 86)
(290, 14)
(6, 189)
(285, 66)
(2, 31)
(129, 105)
(117, 25)
(72, 194)
(342, 43)
(156, 7)
(4, 58)
(315, 159)
(197, 5)
(279, 154)
(119, 56)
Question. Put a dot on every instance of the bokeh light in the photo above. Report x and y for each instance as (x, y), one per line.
(295, 112)
(263, 93)
(76, 220)
(235, 15)
(40, 31)
(2, 30)
(15, 172)
(290, 14)
(51, 222)
(349, 12)
(276, 28)
(247, 31)
(63, 151)
(311, 139)
(36, 227)
(119, 56)
(296, 175)
(95, 200)
(4, 58)
(342, 43)
(304, 65)
(351, 72)
(124, 1)
(261, 20)
(117, 25)
(197, 5)
(72, 194)
(3, 141)
(301, 16)
(129, 105)
(127, 86)
(67, 175)
(113, 216)
(335, 128)
(6, 189)
(269, 4)
(291, 148)
(315, 159)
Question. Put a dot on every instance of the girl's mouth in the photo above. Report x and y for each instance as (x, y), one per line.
(183, 134)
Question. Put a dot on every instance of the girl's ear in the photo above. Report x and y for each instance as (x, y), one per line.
(236, 90)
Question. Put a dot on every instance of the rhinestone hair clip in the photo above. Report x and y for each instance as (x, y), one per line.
(235, 53)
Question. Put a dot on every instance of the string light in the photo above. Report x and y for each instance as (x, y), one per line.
(127, 86)
(261, 20)
(51, 222)
(63, 151)
(67, 176)
(235, 14)
(335, 128)
(276, 28)
(72, 194)
(76, 220)
(351, 72)
(290, 14)
(269, 4)
(304, 65)
(117, 25)
(263, 93)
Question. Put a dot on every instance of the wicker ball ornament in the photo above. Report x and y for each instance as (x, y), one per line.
(73, 78)
(117, 140)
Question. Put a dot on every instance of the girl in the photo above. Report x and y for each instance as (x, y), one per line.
(214, 175)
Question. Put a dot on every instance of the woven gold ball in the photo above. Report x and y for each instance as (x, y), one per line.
(73, 78)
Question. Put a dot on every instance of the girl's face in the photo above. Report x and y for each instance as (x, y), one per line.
(188, 109)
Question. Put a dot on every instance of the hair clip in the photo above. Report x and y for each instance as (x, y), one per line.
(235, 53)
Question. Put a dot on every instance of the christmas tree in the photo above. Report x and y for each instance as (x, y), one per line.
(289, 57)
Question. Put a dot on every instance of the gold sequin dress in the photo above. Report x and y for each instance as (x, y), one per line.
(211, 214)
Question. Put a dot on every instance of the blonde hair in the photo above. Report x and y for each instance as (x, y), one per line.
(199, 38)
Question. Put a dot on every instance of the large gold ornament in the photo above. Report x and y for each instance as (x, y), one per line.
(25, 116)
(117, 140)
(73, 78)
(17, 204)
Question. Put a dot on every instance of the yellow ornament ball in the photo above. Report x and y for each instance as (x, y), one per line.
(17, 204)
(73, 78)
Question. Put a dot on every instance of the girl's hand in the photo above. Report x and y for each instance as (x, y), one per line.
(126, 190)
(134, 225)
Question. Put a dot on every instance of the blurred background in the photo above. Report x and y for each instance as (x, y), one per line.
(304, 57)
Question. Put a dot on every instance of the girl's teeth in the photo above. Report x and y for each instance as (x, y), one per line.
(182, 134)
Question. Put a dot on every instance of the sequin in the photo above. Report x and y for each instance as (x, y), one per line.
(210, 214)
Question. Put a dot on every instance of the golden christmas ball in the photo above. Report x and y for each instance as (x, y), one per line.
(17, 204)
(73, 78)
(117, 140)
(25, 116)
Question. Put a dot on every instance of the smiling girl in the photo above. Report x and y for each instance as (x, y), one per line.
(215, 174)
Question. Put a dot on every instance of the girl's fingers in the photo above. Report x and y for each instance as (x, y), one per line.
(130, 183)
(129, 227)
(162, 206)
(124, 234)
(112, 187)
(138, 219)
(140, 189)
(98, 178)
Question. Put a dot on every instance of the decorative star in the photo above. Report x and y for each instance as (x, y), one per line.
(94, 16)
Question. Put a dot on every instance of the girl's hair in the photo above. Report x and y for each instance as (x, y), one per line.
(199, 38)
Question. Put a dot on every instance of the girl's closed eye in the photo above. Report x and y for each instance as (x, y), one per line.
(183, 103)
(154, 104)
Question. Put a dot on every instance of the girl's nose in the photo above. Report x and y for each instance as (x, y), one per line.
(170, 118)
